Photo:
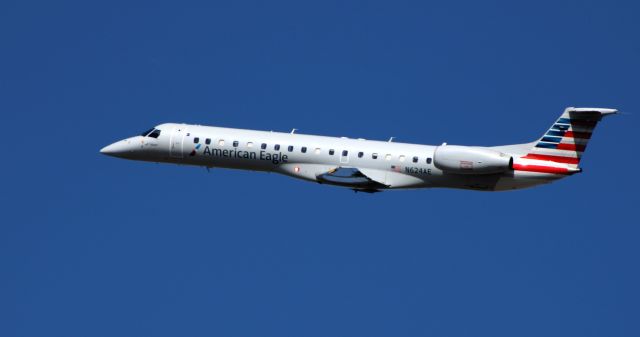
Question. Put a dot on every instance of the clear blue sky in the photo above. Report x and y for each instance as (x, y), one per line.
(95, 246)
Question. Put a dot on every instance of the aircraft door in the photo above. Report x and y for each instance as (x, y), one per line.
(177, 137)
(344, 157)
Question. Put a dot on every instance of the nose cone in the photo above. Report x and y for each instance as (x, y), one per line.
(117, 149)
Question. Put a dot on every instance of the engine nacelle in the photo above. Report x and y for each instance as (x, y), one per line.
(471, 160)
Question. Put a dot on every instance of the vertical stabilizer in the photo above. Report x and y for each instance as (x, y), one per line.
(567, 139)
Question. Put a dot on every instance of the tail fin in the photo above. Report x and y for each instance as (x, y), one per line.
(567, 138)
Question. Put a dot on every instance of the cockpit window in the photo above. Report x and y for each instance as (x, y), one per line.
(144, 134)
(154, 134)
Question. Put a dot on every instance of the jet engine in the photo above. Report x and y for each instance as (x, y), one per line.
(471, 160)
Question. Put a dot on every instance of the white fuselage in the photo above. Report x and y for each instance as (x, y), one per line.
(388, 165)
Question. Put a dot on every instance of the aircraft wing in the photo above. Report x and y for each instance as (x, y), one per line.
(354, 178)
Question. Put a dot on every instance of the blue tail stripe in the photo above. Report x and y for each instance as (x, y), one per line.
(547, 145)
(555, 133)
(564, 120)
(551, 139)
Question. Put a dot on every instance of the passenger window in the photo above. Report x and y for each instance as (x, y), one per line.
(196, 140)
(374, 155)
(263, 146)
(402, 158)
(154, 134)
(221, 142)
(345, 153)
(387, 157)
(317, 150)
(360, 154)
(415, 159)
(290, 148)
(207, 141)
(303, 149)
(428, 160)
(331, 152)
(235, 143)
(250, 144)
(276, 147)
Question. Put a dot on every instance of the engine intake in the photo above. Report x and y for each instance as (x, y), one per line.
(471, 160)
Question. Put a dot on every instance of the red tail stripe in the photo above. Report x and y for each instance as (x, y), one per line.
(557, 159)
(571, 147)
(572, 134)
(540, 169)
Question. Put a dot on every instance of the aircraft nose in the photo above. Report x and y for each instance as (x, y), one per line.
(117, 149)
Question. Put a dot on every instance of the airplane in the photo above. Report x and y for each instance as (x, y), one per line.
(371, 165)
